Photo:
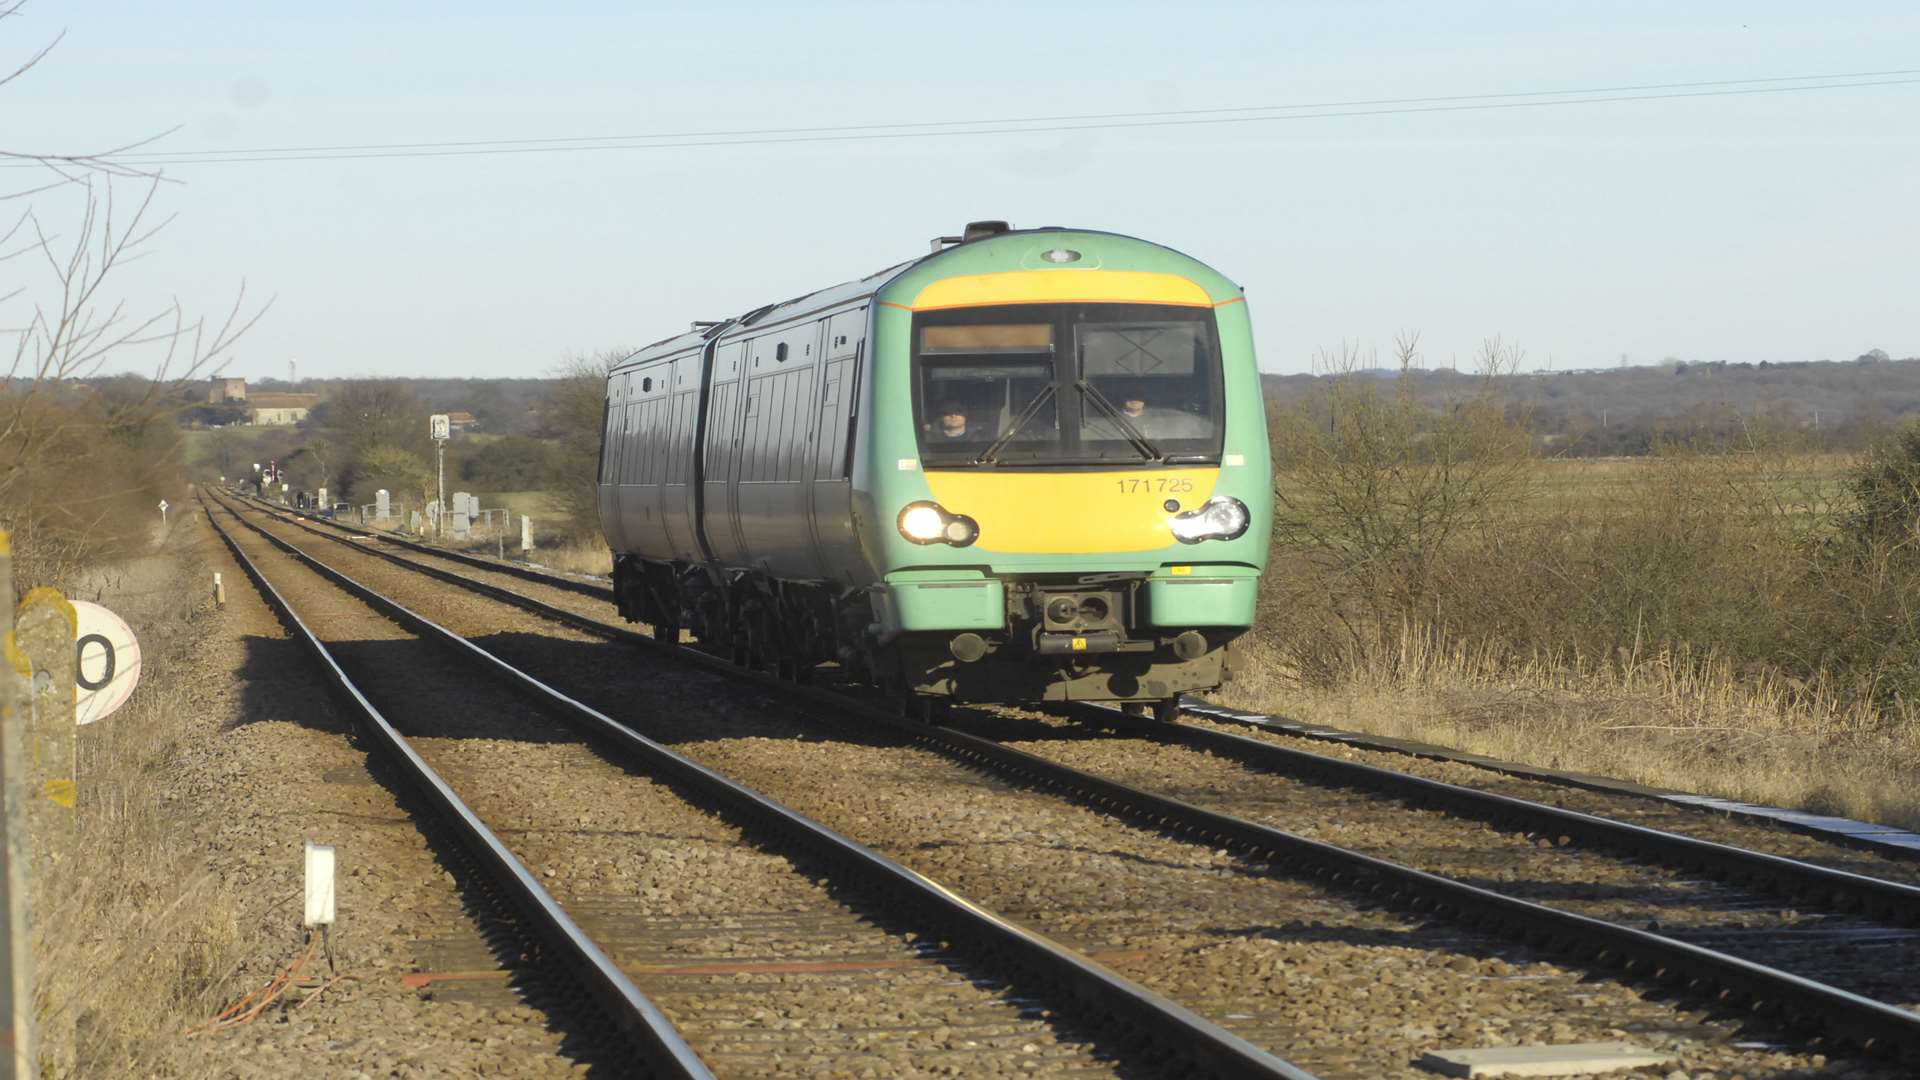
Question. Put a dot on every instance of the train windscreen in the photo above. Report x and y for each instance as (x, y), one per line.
(1050, 384)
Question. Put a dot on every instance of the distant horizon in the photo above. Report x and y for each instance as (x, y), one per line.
(1381, 370)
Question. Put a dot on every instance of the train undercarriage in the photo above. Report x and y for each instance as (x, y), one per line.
(1064, 637)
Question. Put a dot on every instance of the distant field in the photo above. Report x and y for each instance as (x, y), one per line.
(1595, 486)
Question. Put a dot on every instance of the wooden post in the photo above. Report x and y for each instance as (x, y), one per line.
(16, 947)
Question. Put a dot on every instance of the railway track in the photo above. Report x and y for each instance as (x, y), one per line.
(654, 1040)
(1642, 804)
(1709, 973)
(1844, 929)
(827, 959)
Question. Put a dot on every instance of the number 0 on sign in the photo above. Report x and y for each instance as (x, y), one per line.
(106, 663)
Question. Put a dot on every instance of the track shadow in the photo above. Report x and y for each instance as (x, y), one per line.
(278, 683)
(667, 700)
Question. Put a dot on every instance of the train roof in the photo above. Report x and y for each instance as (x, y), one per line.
(770, 313)
(869, 285)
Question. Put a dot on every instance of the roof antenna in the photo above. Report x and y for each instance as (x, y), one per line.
(980, 230)
(975, 230)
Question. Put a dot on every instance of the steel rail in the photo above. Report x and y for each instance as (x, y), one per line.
(660, 1045)
(544, 577)
(1861, 839)
(1892, 900)
(1708, 974)
(1199, 1043)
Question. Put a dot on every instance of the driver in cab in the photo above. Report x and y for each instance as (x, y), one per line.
(953, 425)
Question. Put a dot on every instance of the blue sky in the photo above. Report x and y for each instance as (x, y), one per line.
(1758, 227)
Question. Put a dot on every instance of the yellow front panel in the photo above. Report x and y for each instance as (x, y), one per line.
(1089, 513)
(1059, 287)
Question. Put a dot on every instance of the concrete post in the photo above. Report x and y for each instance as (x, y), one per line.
(45, 627)
(17, 1049)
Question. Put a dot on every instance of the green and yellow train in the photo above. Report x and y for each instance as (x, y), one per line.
(1030, 466)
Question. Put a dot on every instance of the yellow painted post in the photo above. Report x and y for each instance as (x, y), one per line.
(46, 627)
(17, 1048)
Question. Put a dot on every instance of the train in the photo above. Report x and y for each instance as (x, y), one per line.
(1028, 466)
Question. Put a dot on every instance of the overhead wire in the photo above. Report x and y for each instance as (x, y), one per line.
(1031, 125)
(1068, 118)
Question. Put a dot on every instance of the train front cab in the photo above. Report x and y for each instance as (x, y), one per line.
(1069, 490)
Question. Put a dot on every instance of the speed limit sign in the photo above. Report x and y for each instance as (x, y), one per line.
(106, 662)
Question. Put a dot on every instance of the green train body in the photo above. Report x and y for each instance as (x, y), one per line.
(1030, 466)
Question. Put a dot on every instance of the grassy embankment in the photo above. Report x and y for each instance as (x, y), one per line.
(145, 941)
(1715, 621)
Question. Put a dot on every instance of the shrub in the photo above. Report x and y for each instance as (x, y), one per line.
(513, 463)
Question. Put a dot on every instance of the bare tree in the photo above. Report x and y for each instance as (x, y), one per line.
(577, 415)
(1373, 488)
(62, 440)
(369, 413)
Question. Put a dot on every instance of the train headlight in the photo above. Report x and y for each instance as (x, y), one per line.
(930, 523)
(1221, 518)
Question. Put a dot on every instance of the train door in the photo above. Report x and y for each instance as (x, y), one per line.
(829, 483)
(612, 421)
(676, 503)
(719, 511)
(656, 401)
(628, 495)
(779, 382)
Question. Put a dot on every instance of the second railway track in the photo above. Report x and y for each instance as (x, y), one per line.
(723, 726)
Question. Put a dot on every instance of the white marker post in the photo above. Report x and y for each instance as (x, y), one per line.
(319, 886)
(163, 513)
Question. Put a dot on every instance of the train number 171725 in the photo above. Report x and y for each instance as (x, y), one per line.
(1154, 485)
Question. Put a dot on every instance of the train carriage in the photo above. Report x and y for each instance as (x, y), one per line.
(1029, 466)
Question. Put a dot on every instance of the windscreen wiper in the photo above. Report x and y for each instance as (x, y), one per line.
(1019, 422)
(1139, 441)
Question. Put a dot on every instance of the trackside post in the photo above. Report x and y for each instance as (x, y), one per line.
(46, 627)
(16, 952)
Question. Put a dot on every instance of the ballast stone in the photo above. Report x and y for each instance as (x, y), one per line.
(1567, 1060)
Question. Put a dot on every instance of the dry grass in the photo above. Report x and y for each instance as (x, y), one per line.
(577, 558)
(141, 941)
(1666, 720)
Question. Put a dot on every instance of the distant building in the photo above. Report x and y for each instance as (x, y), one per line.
(280, 410)
(222, 390)
(462, 421)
